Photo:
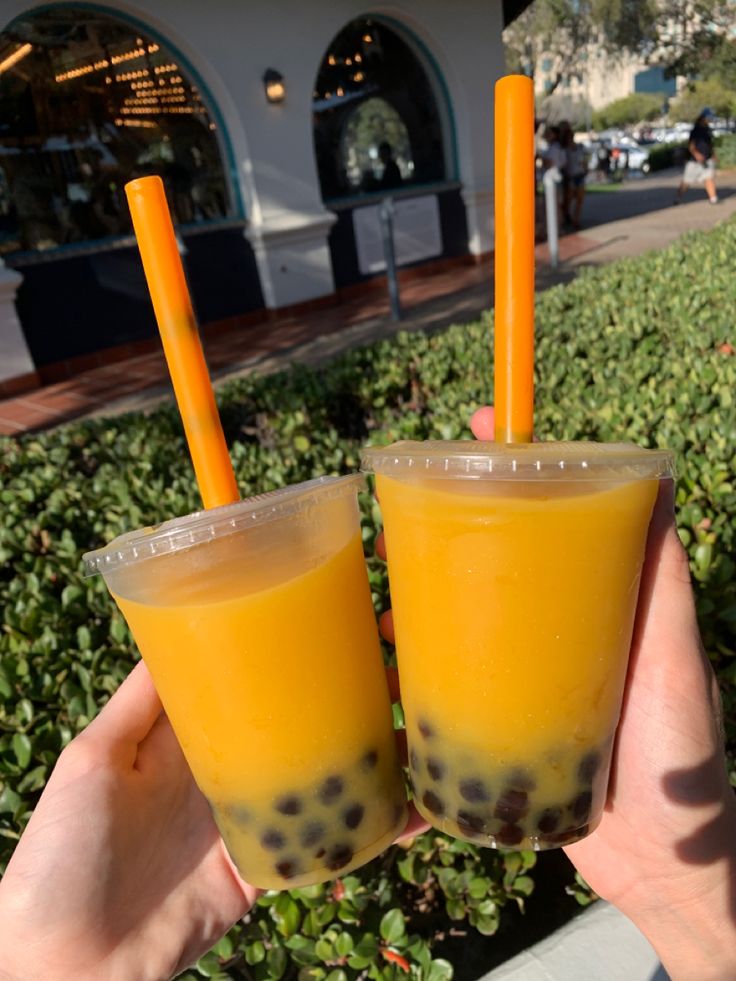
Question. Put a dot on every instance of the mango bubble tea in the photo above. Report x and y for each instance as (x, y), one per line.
(514, 574)
(256, 623)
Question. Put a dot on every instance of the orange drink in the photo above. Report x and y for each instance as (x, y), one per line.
(514, 573)
(256, 623)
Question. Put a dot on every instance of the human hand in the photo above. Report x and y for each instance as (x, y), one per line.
(665, 850)
(121, 872)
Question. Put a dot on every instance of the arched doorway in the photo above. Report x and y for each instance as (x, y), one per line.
(382, 127)
(90, 98)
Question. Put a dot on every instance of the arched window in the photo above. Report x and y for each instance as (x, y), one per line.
(88, 102)
(376, 120)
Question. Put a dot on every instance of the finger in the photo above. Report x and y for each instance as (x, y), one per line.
(416, 825)
(482, 423)
(392, 677)
(386, 626)
(381, 546)
(129, 716)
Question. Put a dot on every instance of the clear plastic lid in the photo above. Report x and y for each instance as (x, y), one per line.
(205, 526)
(559, 461)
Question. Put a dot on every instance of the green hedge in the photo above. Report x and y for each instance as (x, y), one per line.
(726, 150)
(667, 155)
(635, 351)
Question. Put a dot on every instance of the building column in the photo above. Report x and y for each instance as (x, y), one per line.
(15, 358)
(479, 211)
(293, 257)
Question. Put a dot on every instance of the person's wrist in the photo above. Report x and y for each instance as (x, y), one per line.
(688, 914)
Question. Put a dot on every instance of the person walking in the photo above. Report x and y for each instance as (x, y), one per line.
(574, 170)
(701, 167)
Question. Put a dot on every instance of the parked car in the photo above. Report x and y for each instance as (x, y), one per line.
(629, 156)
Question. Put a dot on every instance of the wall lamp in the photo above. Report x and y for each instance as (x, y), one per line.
(273, 83)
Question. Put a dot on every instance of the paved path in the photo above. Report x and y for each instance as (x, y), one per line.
(621, 221)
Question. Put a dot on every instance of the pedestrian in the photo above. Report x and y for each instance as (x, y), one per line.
(701, 167)
(574, 170)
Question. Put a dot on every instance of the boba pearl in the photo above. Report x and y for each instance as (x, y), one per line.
(273, 839)
(581, 806)
(435, 769)
(338, 857)
(425, 728)
(589, 767)
(433, 803)
(312, 833)
(353, 816)
(414, 761)
(288, 868)
(289, 804)
(330, 790)
(369, 759)
(549, 819)
(510, 834)
(470, 823)
(474, 791)
(520, 780)
(511, 806)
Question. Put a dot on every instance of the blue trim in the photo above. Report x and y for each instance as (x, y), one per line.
(400, 28)
(230, 167)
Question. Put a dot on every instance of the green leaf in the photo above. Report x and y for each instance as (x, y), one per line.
(393, 926)
(440, 970)
(276, 962)
(23, 749)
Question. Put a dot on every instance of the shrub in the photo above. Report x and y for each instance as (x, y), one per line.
(638, 350)
(726, 150)
(667, 155)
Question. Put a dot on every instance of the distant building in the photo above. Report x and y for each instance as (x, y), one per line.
(266, 122)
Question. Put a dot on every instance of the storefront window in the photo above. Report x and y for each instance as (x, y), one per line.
(376, 121)
(88, 102)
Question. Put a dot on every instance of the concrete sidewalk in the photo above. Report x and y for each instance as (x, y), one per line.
(619, 221)
(599, 945)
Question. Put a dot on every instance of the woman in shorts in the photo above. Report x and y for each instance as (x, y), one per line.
(701, 167)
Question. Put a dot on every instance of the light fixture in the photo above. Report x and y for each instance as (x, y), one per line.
(273, 83)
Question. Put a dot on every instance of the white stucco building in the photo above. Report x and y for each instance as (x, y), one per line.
(275, 201)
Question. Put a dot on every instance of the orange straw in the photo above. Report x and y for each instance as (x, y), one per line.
(178, 328)
(514, 273)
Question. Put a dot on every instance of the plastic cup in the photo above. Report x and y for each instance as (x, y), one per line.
(514, 573)
(256, 623)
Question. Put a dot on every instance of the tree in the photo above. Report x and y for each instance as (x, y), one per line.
(636, 108)
(693, 99)
(678, 35)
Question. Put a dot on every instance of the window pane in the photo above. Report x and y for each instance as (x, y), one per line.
(376, 121)
(88, 102)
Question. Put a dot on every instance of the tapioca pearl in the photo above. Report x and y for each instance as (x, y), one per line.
(565, 837)
(520, 779)
(320, 853)
(273, 839)
(330, 789)
(580, 807)
(240, 815)
(474, 791)
(288, 868)
(425, 728)
(435, 768)
(589, 767)
(289, 805)
(470, 823)
(338, 857)
(511, 806)
(433, 803)
(510, 834)
(549, 819)
(311, 834)
(353, 816)
(369, 760)
(414, 761)
(398, 813)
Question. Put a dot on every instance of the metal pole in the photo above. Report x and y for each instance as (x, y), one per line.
(550, 201)
(386, 216)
